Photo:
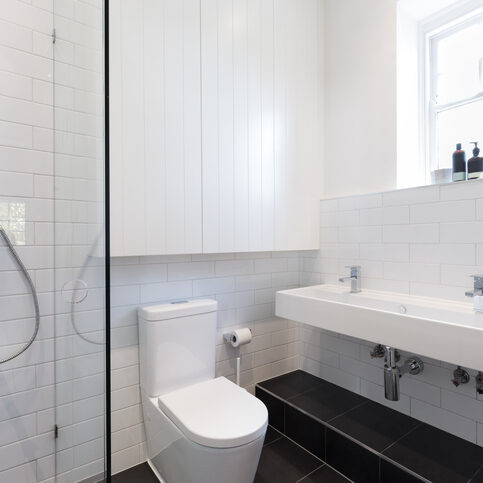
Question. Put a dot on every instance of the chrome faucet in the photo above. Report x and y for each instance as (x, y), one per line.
(355, 278)
(477, 287)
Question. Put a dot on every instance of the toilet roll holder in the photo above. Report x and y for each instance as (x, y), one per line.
(231, 338)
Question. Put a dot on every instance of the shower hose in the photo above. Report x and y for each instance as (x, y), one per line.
(26, 275)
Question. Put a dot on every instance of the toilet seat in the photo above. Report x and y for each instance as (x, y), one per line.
(216, 413)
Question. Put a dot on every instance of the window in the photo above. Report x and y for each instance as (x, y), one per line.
(454, 97)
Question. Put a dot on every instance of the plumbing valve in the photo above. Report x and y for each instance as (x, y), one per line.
(378, 352)
(460, 376)
(479, 383)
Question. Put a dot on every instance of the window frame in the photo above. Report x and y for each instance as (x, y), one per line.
(431, 33)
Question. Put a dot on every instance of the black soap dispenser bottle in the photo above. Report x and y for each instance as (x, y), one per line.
(459, 164)
(475, 164)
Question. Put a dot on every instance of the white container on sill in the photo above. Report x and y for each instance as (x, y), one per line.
(441, 176)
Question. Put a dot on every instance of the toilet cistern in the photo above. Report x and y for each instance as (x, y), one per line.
(477, 292)
(355, 278)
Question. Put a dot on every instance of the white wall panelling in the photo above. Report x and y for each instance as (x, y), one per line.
(237, 168)
(261, 98)
(156, 126)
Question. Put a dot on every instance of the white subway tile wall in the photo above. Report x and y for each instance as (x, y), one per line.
(424, 241)
(244, 286)
(51, 99)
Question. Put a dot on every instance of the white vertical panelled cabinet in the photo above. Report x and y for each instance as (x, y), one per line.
(216, 133)
(261, 116)
(155, 140)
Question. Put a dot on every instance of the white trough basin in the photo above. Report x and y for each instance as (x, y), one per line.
(442, 330)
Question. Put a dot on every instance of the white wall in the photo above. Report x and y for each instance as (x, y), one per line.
(53, 202)
(424, 241)
(244, 286)
(411, 170)
(360, 96)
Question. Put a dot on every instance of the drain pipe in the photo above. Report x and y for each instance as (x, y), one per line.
(392, 372)
(391, 375)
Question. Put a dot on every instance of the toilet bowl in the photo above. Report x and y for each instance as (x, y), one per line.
(199, 429)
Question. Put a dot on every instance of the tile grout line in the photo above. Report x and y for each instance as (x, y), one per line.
(476, 472)
(311, 473)
(403, 436)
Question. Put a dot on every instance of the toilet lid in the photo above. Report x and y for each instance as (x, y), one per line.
(216, 413)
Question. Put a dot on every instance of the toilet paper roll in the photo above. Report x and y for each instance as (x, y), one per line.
(240, 337)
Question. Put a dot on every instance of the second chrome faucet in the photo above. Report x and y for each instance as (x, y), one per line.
(355, 278)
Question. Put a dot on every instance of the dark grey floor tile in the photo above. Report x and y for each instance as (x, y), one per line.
(327, 401)
(272, 435)
(375, 425)
(391, 473)
(437, 456)
(284, 462)
(306, 431)
(291, 384)
(349, 458)
(139, 474)
(325, 475)
(275, 408)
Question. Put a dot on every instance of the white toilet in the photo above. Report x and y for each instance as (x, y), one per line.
(199, 429)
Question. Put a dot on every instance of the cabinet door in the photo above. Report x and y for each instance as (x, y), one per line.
(261, 113)
(155, 133)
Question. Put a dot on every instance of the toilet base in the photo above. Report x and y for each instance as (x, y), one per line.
(176, 459)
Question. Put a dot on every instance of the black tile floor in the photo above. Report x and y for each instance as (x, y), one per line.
(359, 441)
(138, 474)
(282, 461)
(363, 440)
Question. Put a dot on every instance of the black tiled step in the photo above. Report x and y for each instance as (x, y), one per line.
(365, 441)
(325, 474)
(276, 408)
(285, 462)
(391, 473)
(351, 459)
(375, 425)
(291, 384)
(327, 401)
(305, 431)
(437, 456)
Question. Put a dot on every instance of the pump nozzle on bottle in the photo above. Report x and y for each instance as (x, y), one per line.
(475, 164)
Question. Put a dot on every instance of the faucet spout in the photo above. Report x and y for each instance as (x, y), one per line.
(355, 278)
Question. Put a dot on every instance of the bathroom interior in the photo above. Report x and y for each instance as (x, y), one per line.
(241, 241)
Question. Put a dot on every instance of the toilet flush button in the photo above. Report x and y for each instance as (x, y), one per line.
(402, 309)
